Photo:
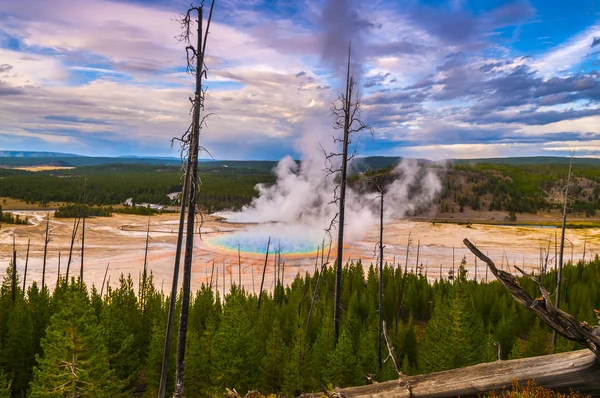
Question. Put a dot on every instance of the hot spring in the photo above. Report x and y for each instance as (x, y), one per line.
(254, 240)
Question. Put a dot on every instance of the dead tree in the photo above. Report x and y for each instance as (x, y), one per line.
(563, 323)
(14, 272)
(76, 221)
(46, 241)
(104, 279)
(26, 263)
(347, 112)
(82, 247)
(262, 282)
(408, 243)
(380, 323)
(190, 148)
(562, 245)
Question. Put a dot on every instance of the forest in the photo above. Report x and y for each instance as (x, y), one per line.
(115, 336)
(226, 185)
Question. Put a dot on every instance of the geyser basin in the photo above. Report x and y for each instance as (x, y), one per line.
(255, 241)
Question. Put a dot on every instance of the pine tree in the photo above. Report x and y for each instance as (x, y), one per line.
(75, 359)
(19, 352)
(295, 372)
(342, 369)
(5, 386)
(271, 365)
(410, 350)
(458, 325)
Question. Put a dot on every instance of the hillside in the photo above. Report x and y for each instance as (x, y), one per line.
(489, 189)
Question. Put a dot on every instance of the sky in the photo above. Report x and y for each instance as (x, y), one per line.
(437, 79)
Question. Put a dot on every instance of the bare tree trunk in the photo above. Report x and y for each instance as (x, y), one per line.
(173, 297)
(58, 273)
(104, 279)
(14, 273)
(82, 249)
(408, 242)
(26, 263)
(380, 324)
(340, 243)
(239, 268)
(212, 272)
(562, 246)
(418, 250)
(73, 236)
(262, 282)
(46, 240)
(198, 104)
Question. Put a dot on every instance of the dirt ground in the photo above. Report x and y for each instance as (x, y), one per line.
(120, 240)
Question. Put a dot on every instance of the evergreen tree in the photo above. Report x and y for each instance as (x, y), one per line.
(19, 352)
(457, 324)
(342, 369)
(74, 360)
(295, 372)
(271, 365)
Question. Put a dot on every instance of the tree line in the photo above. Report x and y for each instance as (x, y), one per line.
(10, 218)
(223, 187)
(109, 342)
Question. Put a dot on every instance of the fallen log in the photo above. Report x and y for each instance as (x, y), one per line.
(576, 370)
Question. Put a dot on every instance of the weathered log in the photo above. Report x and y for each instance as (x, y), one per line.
(577, 370)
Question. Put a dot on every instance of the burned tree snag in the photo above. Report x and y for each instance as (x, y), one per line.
(346, 110)
(46, 241)
(563, 323)
(190, 148)
(262, 282)
(26, 263)
(562, 246)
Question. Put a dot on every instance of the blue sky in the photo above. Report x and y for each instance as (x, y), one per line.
(439, 79)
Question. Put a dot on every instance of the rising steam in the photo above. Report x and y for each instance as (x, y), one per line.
(300, 204)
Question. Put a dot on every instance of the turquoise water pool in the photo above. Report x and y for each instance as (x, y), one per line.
(257, 243)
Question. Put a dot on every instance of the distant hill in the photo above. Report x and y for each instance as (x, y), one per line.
(79, 161)
(522, 161)
(29, 154)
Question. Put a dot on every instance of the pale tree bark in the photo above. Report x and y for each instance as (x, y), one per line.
(191, 141)
(346, 110)
(562, 245)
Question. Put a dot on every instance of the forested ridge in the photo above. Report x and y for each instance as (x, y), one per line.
(111, 184)
(109, 343)
(514, 188)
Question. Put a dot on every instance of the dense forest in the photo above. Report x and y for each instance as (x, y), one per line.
(227, 185)
(109, 343)
(515, 188)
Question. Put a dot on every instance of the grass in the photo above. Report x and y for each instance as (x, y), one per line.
(10, 204)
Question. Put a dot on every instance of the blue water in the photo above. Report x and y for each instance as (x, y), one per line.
(257, 243)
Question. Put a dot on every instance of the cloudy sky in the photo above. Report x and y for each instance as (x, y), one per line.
(439, 79)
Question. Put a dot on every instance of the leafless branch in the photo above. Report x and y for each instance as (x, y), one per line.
(563, 323)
